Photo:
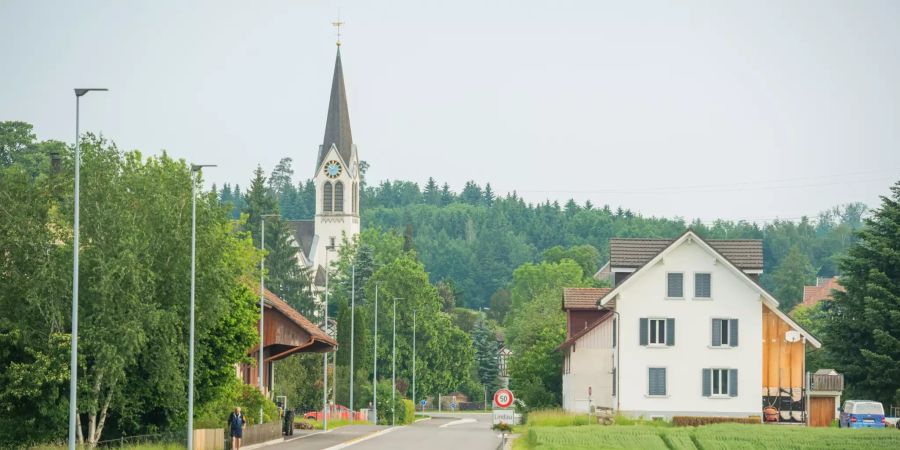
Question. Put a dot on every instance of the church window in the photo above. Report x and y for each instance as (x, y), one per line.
(355, 195)
(339, 196)
(327, 200)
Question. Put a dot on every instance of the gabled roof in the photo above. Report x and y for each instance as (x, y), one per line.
(583, 298)
(746, 254)
(303, 232)
(768, 300)
(821, 291)
(337, 125)
(319, 340)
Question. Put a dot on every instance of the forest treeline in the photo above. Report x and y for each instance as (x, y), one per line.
(473, 240)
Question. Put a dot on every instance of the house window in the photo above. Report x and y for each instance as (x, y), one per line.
(657, 332)
(675, 285)
(720, 382)
(567, 366)
(724, 332)
(332, 242)
(656, 381)
(702, 285)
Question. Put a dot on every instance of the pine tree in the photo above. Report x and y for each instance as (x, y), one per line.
(862, 326)
(432, 193)
(447, 195)
(486, 355)
(488, 196)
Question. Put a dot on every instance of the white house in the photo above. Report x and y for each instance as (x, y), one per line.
(686, 330)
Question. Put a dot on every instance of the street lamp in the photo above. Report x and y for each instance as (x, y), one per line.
(262, 300)
(352, 330)
(325, 355)
(73, 376)
(375, 364)
(414, 362)
(394, 367)
(190, 425)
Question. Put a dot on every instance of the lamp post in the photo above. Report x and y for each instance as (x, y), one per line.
(618, 344)
(414, 362)
(190, 424)
(73, 375)
(325, 355)
(394, 368)
(352, 330)
(262, 300)
(375, 364)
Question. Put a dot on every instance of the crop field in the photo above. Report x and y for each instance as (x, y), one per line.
(710, 437)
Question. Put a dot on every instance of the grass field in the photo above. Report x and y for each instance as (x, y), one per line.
(332, 423)
(710, 437)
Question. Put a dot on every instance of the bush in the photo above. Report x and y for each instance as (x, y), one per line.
(214, 414)
(692, 421)
(409, 411)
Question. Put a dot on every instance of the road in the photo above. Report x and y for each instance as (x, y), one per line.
(442, 432)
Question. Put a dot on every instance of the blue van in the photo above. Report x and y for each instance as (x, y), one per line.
(862, 414)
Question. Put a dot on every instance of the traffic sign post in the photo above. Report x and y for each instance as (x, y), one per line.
(423, 405)
(503, 400)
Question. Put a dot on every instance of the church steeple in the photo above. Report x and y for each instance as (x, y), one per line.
(337, 125)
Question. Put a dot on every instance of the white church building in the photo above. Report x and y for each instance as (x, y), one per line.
(337, 181)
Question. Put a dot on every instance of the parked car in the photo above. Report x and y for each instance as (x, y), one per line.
(862, 414)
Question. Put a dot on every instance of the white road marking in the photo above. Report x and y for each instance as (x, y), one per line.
(457, 422)
(364, 438)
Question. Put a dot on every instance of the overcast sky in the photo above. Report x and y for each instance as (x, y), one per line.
(742, 110)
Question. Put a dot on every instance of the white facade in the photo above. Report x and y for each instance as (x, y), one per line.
(701, 378)
(589, 364)
(732, 298)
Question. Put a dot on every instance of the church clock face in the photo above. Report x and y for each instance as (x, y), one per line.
(333, 169)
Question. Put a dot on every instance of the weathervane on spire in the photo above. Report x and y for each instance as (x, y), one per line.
(337, 25)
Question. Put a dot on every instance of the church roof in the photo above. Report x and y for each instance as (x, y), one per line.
(337, 125)
(303, 232)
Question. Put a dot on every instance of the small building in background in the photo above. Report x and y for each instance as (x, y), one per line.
(823, 289)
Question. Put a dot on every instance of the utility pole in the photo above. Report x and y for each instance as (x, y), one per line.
(325, 355)
(375, 359)
(394, 369)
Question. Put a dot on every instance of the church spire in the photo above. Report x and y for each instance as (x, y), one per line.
(337, 125)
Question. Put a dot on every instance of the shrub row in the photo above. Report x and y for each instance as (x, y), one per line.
(696, 421)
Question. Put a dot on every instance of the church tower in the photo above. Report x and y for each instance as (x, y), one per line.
(337, 177)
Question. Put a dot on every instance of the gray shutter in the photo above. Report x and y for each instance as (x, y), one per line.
(644, 326)
(675, 288)
(707, 382)
(733, 329)
(657, 381)
(732, 382)
(716, 332)
(670, 332)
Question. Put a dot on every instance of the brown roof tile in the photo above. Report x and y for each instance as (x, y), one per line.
(746, 254)
(822, 291)
(583, 298)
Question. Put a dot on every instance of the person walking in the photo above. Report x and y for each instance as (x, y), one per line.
(236, 423)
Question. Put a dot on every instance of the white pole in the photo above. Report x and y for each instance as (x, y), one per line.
(394, 369)
(414, 360)
(190, 418)
(375, 362)
(262, 304)
(325, 355)
(73, 377)
(352, 331)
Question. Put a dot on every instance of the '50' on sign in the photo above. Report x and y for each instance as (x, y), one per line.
(503, 398)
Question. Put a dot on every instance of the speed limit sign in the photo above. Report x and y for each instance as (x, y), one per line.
(503, 398)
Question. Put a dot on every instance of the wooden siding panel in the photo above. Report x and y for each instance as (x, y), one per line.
(783, 362)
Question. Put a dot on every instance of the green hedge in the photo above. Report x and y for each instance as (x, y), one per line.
(696, 421)
(409, 411)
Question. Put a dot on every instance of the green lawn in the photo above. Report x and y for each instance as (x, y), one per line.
(332, 423)
(710, 437)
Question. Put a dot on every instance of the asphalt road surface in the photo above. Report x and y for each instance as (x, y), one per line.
(442, 432)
